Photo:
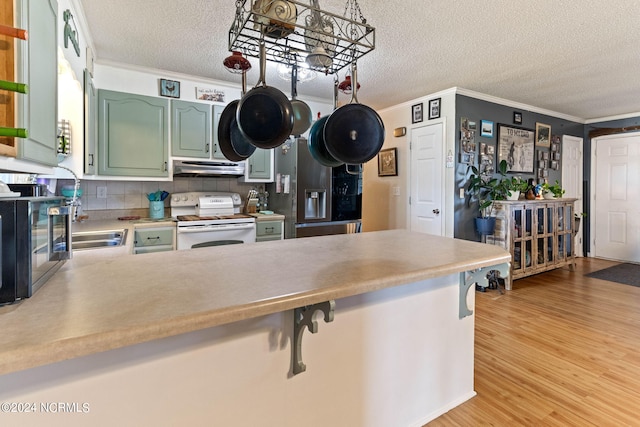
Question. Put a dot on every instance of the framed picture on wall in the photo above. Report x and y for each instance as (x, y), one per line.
(517, 117)
(486, 128)
(434, 108)
(169, 88)
(543, 135)
(416, 113)
(388, 162)
(517, 146)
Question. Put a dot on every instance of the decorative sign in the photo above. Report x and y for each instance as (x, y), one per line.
(70, 33)
(207, 94)
(516, 146)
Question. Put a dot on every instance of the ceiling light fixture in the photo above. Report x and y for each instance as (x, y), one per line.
(318, 59)
(304, 73)
(236, 63)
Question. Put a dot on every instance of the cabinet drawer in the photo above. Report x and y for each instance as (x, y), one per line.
(152, 249)
(153, 237)
(267, 238)
(269, 228)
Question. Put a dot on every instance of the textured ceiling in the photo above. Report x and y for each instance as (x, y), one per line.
(577, 58)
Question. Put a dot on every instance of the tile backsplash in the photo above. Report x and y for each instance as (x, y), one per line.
(130, 197)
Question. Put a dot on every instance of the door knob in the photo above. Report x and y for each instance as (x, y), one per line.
(436, 211)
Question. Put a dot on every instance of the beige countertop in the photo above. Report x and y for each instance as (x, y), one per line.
(96, 302)
(263, 217)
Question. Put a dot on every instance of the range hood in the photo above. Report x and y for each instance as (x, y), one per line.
(207, 168)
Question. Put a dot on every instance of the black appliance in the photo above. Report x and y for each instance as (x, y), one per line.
(29, 190)
(315, 199)
(346, 192)
(36, 240)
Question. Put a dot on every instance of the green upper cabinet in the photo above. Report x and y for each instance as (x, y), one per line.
(259, 166)
(90, 124)
(190, 129)
(38, 67)
(217, 153)
(133, 136)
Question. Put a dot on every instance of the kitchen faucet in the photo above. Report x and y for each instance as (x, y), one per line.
(75, 189)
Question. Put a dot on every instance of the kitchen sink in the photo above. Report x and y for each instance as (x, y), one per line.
(98, 239)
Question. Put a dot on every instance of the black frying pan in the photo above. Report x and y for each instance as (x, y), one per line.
(233, 145)
(264, 114)
(354, 133)
(316, 144)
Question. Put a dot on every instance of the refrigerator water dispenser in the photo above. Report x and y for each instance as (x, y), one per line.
(315, 206)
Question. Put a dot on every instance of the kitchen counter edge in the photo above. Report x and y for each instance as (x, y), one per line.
(129, 302)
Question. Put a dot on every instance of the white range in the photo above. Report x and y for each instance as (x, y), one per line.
(211, 219)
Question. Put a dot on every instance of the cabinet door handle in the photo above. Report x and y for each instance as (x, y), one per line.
(269, 229)
(165, 167)
(436, 211)
(91, 160)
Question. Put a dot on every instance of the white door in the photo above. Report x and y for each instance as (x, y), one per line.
(572, 173)
(616, 190)
(427, 179)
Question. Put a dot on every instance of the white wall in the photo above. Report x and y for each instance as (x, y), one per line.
(382, 209)
(146, 81)
(70, 85)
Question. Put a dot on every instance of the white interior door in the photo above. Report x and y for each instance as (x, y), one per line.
(427, 180)
(572, 175)
(616, 186)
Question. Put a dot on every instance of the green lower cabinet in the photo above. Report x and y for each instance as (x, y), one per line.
(268, 230)
(133, 136)
(190, 129)
(156, 239)
(37, 61)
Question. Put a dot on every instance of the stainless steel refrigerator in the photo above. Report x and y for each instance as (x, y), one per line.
(316, 200)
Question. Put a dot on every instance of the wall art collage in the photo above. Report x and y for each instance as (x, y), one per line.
(526, 151)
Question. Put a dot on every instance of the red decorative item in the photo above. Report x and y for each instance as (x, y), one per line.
(236, 63)
(345, 86)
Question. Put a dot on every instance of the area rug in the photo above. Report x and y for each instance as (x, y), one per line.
(627, 274)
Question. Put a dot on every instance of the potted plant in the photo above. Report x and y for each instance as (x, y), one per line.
(514, 187)
(554, 191)
(511, 188)
(486, 189)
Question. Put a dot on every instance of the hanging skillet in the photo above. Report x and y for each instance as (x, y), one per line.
(354, 133)
(265, 115)
(302, 115)
(233, 145)
(316, 143)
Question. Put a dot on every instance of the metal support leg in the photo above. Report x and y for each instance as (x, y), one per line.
(470, 278)
(303, 317)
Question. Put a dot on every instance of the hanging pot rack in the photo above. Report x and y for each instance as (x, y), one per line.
(353, 38)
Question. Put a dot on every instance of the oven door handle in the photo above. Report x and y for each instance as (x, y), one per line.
(226, 227)
(66, 213)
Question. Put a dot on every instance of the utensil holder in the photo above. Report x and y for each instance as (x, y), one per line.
(156, 209)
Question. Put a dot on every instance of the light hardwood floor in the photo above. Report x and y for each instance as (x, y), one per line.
(561, 349)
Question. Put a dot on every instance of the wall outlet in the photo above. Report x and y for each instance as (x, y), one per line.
(462, 193)
(102, 192)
